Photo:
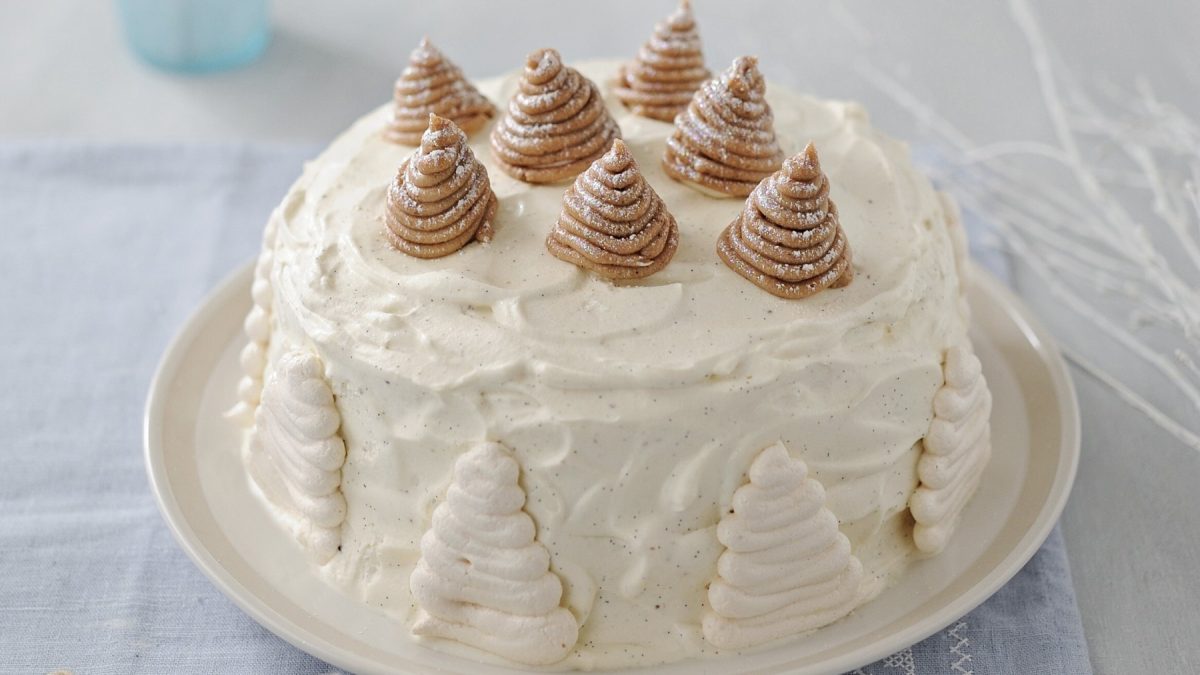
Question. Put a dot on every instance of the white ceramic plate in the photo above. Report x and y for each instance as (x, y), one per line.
(192, 455)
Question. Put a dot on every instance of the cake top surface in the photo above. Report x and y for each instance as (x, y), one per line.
(489, 309)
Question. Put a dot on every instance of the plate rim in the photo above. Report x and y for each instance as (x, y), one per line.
(1036, 337)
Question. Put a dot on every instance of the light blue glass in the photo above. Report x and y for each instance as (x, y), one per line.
(196, 36)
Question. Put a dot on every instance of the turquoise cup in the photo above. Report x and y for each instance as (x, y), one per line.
(196, 36)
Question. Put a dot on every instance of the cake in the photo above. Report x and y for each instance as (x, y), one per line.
(486, 412)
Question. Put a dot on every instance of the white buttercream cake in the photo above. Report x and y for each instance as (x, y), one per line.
(515, 459)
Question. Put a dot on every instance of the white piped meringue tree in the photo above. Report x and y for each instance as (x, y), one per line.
(483, 578)
(297, 425)
(956, 450)
(787, 569)
(257, 327)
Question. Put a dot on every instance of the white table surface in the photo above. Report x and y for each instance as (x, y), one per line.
(1133, 523)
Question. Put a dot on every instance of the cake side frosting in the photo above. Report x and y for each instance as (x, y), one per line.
(257, 327)
(634, 410)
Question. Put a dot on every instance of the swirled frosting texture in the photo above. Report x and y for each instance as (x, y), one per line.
(483, 578)
(786, 568)
(257, 327)
(557, 123)
(787, 240)
(297, 427)
(441, 199)
(612, 222)
(956, 450)
(432, 84)
(668, 69)
(633, 408)
(724, 142)
(962, 254)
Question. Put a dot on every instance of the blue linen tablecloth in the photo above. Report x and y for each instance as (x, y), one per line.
(104, 251)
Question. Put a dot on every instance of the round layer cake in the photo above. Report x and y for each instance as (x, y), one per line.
(634, 411)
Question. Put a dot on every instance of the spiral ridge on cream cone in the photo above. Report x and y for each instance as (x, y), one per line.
(298, 425)
(483, 578)
(787, 240)
(612, 221)
(787, 568)
(442, 198)
(955, 451)
(668, 70)
(556, 123)
(432, 84)
(724, 141)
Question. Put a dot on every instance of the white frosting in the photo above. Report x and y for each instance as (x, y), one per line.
(296, 426)
(483, 578)
(956, 450)
(962, 254)
(632, 409)
(257, 326)
(786, 568)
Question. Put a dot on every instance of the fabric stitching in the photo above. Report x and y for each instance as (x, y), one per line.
(959, 649)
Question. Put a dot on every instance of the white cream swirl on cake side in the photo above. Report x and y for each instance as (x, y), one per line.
(296, 432)
(957, 449)
(483, 578)
(634, 410)
(787, 569)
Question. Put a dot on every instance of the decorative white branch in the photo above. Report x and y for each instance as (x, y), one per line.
(1117, 243)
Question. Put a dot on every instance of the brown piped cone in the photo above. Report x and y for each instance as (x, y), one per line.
(787, 239)
(725, 140)
(441, 198)
(668, 69)
(556, 123)
(612, 222)
(432, 84)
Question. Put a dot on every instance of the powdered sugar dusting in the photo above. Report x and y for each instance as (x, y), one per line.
(725, 139)
(669, 68)
(613, 223)
(556, 123)
(432, 84)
